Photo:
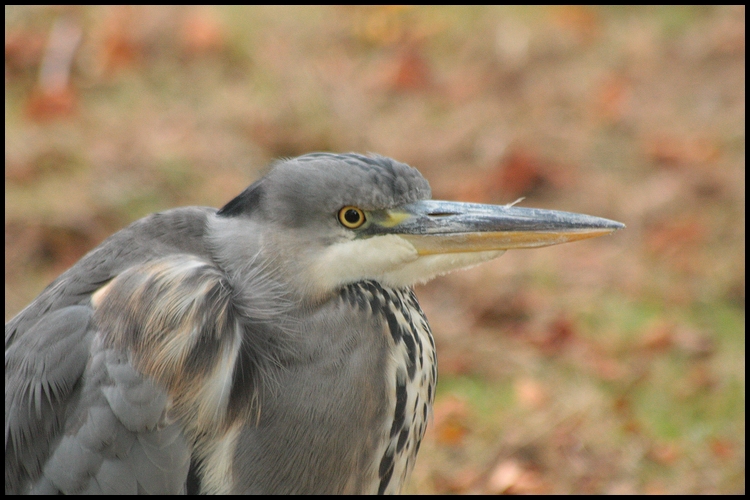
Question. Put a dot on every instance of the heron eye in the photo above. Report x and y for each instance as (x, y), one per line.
(351, 217)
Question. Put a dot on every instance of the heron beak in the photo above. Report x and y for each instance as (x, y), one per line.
(440, 227)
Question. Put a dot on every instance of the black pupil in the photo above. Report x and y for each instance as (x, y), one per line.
(351, 216)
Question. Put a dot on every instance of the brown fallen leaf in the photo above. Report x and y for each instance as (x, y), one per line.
(723, 449)
(512, 477)
(530, 393)
(49, 104)
(201, 32)
(411, 71)
(612, 98)
(665, 453)
(450, 416)
(671, 150)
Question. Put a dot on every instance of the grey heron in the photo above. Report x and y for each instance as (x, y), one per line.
(272, 346)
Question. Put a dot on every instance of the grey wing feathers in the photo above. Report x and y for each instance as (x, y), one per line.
(111, 375)
(180, 230)
(115, 439)
(42, 371)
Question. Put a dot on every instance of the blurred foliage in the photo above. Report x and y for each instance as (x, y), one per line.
(610, 366)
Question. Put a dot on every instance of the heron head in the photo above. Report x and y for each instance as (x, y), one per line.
(327, 220)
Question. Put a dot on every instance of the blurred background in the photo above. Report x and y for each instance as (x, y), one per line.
(614, 365)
